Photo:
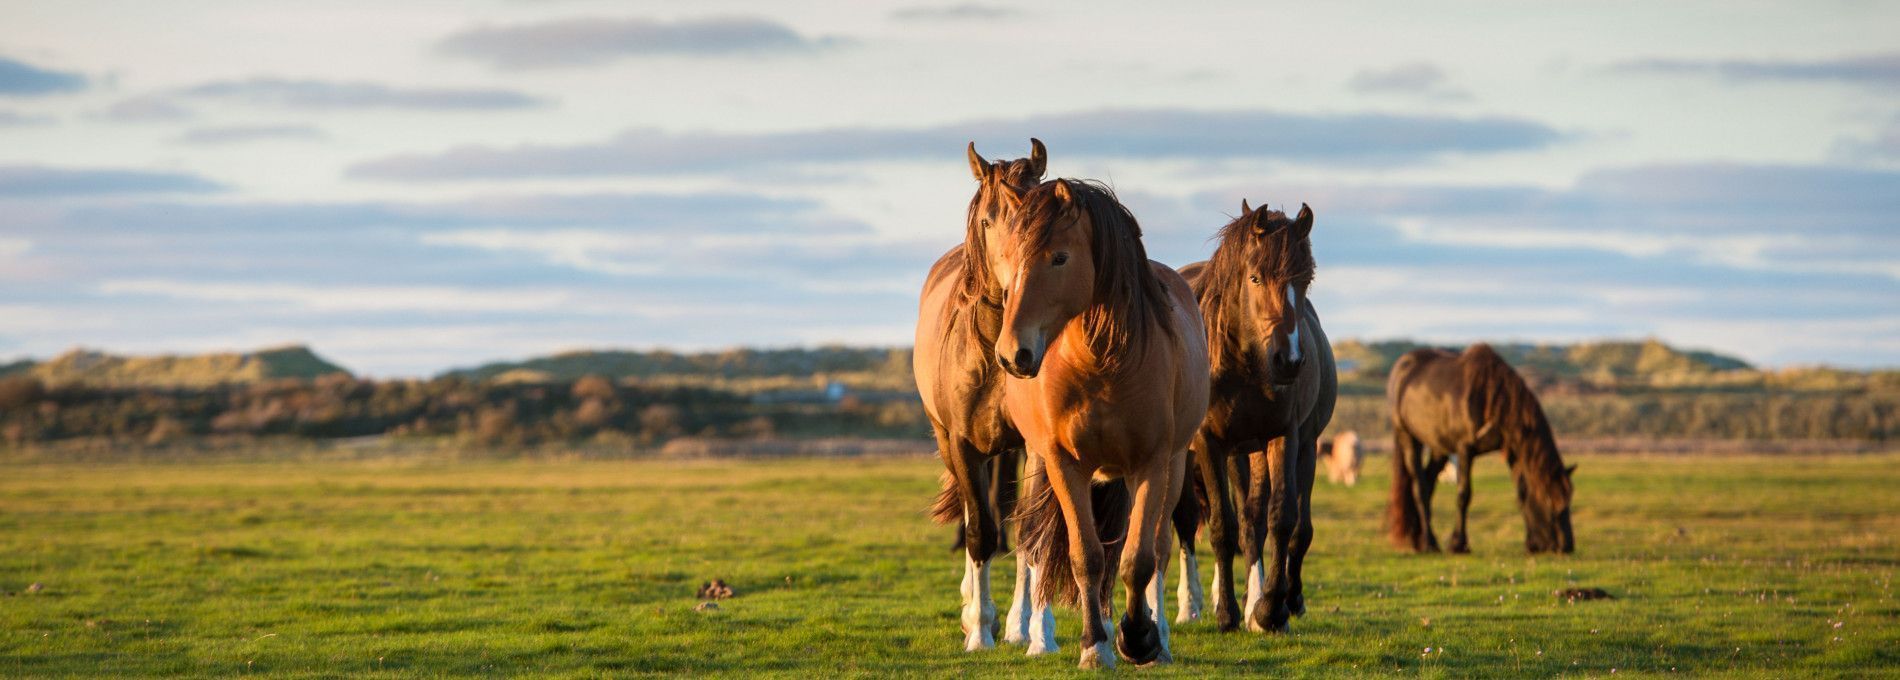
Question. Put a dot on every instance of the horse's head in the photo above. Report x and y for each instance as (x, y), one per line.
(1268, 264)
(999, 192)
(1043, 258)
(1547, 513)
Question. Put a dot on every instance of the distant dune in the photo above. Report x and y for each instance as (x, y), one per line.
(88, 367)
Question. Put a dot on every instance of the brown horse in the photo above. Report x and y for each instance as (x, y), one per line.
(1274, 383)
(1445, 404)
(1108, 380)
(1341, 458)
(957, 323)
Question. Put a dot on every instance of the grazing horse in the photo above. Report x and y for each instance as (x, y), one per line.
(1274, 383)
(957, 322)
(1342, 458)
(1445, 404)
(1108, 381)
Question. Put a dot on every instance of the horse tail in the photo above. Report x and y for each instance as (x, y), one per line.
(949, 505)
(1043, 536)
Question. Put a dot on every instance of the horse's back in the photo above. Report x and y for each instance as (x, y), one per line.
(1427, 395)
(1192, 274)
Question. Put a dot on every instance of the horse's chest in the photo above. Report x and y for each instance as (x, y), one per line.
(1246, 412)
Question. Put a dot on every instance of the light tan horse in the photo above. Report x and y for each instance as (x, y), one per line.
(1341, 458)
(957, 322)
(1108, 381)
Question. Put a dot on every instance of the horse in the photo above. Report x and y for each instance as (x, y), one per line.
(1273, 384)
(1107, 367)
(1342, 458)
(959, 314)
(1445, 404)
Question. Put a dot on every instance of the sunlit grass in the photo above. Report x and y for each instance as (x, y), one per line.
(1758, 566)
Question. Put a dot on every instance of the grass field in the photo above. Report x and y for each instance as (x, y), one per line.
(1759, 566)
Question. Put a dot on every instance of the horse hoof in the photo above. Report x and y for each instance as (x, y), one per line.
(1226, 621)
(1296, 605)
(1039, 648)
(1139, 641)
(1265, 618)
(1097, 655)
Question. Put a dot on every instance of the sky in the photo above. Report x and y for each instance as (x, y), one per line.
(412, 187)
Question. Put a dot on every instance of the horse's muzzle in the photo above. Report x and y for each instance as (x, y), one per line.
(1024, 364)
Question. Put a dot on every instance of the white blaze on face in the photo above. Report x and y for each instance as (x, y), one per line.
(1293, 310)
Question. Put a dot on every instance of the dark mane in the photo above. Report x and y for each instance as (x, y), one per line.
(1498, 399)
(1128, 297)
(1259, 241)
(978, 282)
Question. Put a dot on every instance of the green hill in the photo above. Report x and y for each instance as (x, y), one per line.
(745, 369)
(1612, 362)
(88, 367)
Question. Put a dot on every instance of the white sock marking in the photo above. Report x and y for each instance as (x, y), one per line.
(1156, 587)
(1016, 625)
(1256, 591)
(979, 611)
(1190, 598)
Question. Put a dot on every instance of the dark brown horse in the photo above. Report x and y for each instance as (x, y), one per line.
(1274, 384)
(1446, 404)
(1108, 380)
(957, 323)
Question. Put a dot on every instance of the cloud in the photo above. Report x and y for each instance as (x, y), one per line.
(17, 119)
(29, 181)
(587, 41)
(241, 134)
(964, 12)
(1874, 70)
(1884, 145)
(1420, 79)
(1353, 139)
(146, 109)
(26, 80)
(343, 298)
(319, 94)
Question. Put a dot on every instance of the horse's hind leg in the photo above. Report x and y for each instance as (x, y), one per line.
(1224, 530)
(1425, 469)
(1029, 623)
(1187, 520)
(1302, 534)
(1460, 542)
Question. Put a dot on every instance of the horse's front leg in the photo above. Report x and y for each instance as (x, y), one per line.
(1071, 486)
(981, 537)
(1187, 518)
(1269, 612)
(1224, 530)
(1461, 542)
(1142, 636)
(1302, 534)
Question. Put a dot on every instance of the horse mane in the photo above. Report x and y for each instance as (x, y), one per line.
(1255, 241)
(1498, 398)
(1128, 297)
(979, 283)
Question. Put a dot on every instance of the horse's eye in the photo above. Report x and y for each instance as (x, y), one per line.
(1255, 279)
(986, 223)
(1061, 259)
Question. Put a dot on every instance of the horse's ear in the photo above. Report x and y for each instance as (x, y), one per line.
(1243, 208)
(1303, 223)
(1038, 158)
(978, 167)
(1062, 191)
(1570, 469)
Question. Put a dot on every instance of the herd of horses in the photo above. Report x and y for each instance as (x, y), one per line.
(1145, 403)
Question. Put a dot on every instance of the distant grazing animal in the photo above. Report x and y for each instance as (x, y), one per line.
(1108, 381)
(1274, 383)
(1341, 456)
(1446, 404)
(955, 367)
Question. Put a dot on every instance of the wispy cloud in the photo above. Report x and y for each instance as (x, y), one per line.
(1417, 79)
(20, 79)
(1883, 145)
(1874, 70)
(585, 41)
(968, 11)
(149, 108)
(343, 298)
(241, 134)
(1362, 139)
(320, 94)
(28, 181)
(17, 119)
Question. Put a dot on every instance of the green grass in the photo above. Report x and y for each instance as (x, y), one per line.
(1772, 567)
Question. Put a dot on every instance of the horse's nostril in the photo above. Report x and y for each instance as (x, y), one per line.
(1023, 357)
